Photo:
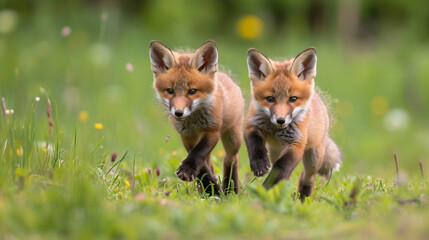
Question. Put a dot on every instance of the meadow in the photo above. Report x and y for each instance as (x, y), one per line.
(86, 151)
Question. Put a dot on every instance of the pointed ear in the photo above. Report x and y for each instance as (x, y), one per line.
(304, 65)
(259, 66)
(205, 58)
(161, 57)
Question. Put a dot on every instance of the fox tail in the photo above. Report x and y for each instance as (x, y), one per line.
(332, 159)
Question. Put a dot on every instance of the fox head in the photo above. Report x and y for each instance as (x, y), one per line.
(184, 82)
(282, 90)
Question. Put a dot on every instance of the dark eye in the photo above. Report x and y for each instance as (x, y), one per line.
(270, 99)
(192, 91)
(170, 90)
(293, 99)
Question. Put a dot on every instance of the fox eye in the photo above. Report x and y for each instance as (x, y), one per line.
(270, 99)
(170, 90)
(293, 99)
(192, 91)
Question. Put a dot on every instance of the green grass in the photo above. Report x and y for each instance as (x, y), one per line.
(60, 183)
(75, 191)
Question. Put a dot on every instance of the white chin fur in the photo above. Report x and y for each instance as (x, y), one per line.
(163, 100)
(299, 113)
(186, 112)
(199, 102)
(288, 120)
(273, 119)
(196, 104)
(172, 110)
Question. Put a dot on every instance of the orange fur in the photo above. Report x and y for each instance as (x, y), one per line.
(290, 116)
(210, 106)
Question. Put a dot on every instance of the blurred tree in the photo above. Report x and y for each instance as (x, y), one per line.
(358, 20)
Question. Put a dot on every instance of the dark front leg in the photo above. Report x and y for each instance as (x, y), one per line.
(207, 182)
(283, 167)
(191, 166)
(230, 181)
(257, 151)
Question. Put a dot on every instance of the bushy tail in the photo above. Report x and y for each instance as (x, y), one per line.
(332, 160)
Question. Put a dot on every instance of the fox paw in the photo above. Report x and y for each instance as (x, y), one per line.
(260, 167)
(186, 172)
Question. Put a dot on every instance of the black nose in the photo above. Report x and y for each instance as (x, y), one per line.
(178, 113)
(281, 120)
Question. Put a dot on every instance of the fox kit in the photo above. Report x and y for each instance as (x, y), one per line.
(288, 115)
(204, 105)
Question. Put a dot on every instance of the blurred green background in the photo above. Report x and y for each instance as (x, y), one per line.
(91, 58)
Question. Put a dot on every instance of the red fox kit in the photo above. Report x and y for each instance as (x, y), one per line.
(288, 114)
(204, 105)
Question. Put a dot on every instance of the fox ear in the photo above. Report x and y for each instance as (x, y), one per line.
(205, 58)
(161, 57)
(304, 65)
(259, 66)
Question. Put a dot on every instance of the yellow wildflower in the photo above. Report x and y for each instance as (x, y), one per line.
(83, 116)
(20, 172)
(98, 126)
(250, 27)
(379, 105)
(19, 151)
(127, 184)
